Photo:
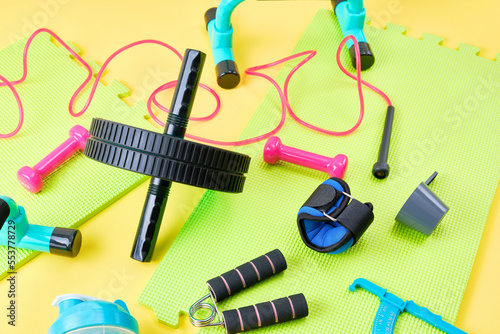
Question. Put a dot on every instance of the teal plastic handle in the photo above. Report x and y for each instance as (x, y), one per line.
(220, 32)
(13, 222)
(351, 16)
(432, 319)
(391, 306)
(17, 232)
(221, 42)
(224, 12)
(37, 238)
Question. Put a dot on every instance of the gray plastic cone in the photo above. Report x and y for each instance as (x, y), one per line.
(423, 210)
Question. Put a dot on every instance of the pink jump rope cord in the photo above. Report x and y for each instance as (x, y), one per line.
(72, 101)
(285, 104)
(360, 90)
(9, 84)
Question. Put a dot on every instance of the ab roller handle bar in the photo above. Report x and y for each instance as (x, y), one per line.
(167, 157)
(156, 198)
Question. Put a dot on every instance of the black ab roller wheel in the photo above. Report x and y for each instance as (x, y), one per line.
(167, 157)
(178, 149)
(164, 167)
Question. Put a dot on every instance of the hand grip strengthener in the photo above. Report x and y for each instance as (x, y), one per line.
(250, 317)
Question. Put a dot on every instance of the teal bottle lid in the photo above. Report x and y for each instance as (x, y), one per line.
(83, 314)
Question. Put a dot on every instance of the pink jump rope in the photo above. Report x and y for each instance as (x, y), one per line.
(58, 156)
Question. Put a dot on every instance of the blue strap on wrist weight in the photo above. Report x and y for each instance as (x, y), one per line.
(331, 221)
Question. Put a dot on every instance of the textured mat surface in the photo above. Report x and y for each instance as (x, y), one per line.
(446, 120)
(81, 187)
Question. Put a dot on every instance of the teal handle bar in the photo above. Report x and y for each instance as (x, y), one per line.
(220, 32)
(391, 306)
(351, 16)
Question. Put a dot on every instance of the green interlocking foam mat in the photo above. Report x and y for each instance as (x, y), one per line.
(80, 188)
(446, 120)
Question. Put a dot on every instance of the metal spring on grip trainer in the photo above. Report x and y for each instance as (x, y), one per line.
(208, 321)
(251, 317)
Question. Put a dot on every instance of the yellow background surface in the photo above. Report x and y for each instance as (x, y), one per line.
(264, 31)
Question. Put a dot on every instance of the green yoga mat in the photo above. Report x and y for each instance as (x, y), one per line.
(81, 187)
(447, 120)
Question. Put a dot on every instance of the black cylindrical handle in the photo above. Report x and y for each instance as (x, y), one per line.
(265, 314)
(367, 59)
(227, 73)
(381, 168)
(65, 241)
(246, 275)
(150, 222)
(156, 198)
(185, 92)
(386, 137)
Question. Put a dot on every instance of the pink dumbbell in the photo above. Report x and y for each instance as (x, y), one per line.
(32, 178)
(275, 151)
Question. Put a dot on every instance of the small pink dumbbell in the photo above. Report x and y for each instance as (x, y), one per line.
(275, 151)
(32, 178)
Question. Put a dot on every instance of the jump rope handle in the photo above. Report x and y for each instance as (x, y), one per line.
(381, 167)
(265, 314)
(246, 275)
(220, 31)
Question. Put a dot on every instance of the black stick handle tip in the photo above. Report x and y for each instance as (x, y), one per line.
(381, 167)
